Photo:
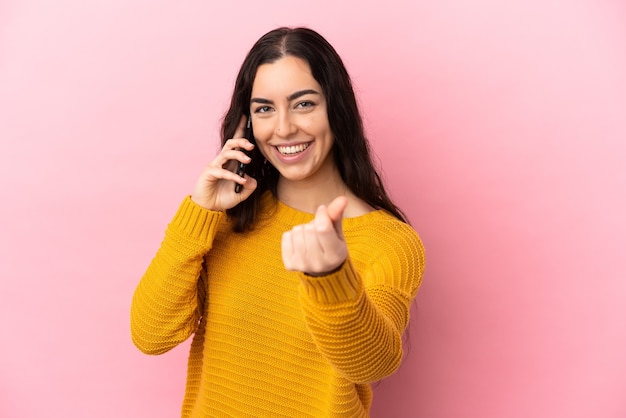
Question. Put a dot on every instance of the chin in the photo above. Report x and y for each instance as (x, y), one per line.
(295, 175)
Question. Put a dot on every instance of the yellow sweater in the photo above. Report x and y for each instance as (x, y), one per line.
(269, 342)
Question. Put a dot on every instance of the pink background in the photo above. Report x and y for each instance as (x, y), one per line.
(501, 128)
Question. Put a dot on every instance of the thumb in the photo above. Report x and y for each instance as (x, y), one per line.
(335, 213)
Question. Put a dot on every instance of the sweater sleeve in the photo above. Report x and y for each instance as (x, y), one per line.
(357, 318)
(167, 303)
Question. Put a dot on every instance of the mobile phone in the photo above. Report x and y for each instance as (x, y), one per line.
(241, 167)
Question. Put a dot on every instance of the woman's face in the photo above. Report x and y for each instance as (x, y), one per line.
(290, 121)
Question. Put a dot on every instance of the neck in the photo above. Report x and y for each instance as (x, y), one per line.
(307, 195)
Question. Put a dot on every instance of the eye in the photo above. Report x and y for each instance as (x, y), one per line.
(304, 105)
(262, 109)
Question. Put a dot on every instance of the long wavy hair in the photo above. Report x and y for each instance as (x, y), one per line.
(351, 150)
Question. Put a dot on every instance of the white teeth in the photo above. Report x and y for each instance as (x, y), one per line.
(293, 149)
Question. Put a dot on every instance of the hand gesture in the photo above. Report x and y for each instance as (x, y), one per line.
(318, 247)
(215, 189)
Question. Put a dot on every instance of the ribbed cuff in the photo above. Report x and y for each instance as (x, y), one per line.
(337, 287)
(195, 222)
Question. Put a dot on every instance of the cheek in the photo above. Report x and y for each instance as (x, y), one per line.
(261, 137)
(319, 125)
(262, 133)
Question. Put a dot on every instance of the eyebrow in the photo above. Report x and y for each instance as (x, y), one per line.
(292, 96)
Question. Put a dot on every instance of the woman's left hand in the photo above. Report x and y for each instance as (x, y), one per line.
(318, 247)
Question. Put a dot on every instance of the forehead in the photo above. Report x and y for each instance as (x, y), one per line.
(283, 77)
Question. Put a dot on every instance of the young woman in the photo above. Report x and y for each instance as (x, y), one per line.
(296, 286)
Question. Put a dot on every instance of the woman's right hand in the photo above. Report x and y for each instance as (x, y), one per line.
(215, 189)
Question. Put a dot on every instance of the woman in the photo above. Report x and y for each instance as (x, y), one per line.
(297, 285)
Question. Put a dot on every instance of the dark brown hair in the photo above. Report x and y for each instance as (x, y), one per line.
(351, 149)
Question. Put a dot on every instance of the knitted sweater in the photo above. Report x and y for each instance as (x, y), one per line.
(269, 342)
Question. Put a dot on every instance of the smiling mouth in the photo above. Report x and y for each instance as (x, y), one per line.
(293, 149)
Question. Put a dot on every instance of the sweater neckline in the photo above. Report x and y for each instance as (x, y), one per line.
(282, 210)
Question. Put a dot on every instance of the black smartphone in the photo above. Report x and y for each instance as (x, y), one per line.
(241, 167)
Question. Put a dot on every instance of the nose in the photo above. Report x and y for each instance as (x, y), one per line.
(285, 126)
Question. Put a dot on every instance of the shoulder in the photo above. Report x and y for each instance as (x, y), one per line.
(387, 252)
(381, 224)
(356, 207)
(381, 236)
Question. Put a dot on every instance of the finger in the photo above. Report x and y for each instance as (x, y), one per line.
(240, 131)
(336, 208)
(335, 213)
(249, 186)
(236, 143)
(230, 155)
(215, 173)
(230, 158)
(287, 250)
(328, 238)
(322, 221)
(299, 242)
(311, 239)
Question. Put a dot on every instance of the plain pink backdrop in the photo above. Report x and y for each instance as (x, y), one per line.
(501, 129)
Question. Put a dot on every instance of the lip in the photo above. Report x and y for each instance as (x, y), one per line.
(295, 157)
